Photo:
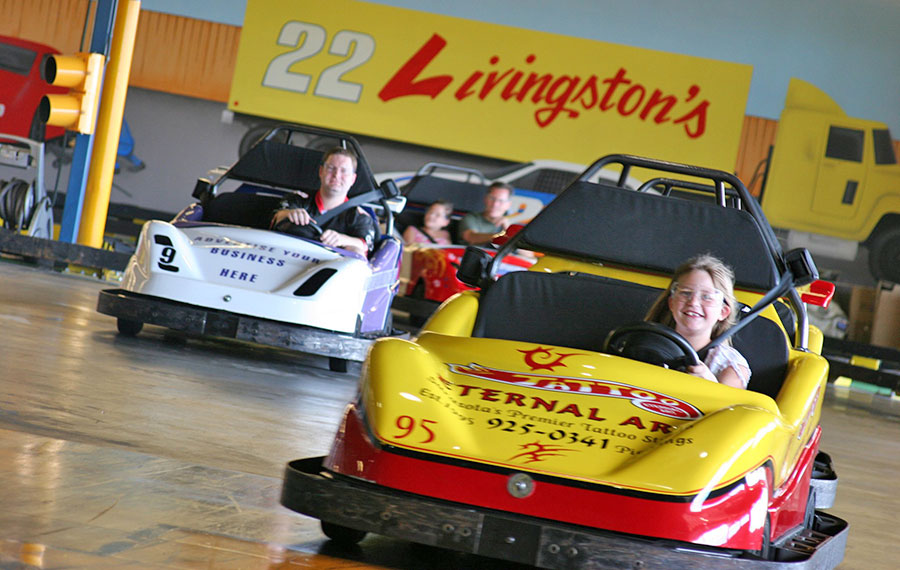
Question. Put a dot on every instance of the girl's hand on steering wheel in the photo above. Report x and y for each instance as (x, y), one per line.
(702, 370)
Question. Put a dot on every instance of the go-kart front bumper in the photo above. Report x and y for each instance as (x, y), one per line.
(192, 319)
(310, 490)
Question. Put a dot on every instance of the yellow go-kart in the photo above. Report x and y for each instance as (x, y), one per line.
(539, 420)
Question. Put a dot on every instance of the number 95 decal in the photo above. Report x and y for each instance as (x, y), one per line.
(309, 39)
(167, 255)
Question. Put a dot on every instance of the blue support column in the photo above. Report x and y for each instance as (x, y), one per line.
(81, 159)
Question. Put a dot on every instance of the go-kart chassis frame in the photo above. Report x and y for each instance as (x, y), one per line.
(309, 489)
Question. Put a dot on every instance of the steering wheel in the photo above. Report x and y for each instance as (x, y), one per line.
(311, 231)
(653, 343)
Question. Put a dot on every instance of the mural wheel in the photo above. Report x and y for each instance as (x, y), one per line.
(884, 255)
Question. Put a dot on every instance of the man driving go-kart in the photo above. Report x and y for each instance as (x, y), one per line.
(352, 229)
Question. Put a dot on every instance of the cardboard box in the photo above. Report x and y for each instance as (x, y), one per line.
(886, 318)
(861, 313)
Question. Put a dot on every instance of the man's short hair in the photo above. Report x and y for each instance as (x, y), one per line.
(502, 186)
(340, 151)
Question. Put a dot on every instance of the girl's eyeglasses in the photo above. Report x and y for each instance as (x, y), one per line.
(707, 297)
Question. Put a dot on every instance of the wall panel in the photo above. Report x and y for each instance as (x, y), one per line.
(172, 53)
(757, 136)
(58, 23)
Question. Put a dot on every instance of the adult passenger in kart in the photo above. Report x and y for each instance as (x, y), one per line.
(480, 228)
(352, 229)
(699, 304)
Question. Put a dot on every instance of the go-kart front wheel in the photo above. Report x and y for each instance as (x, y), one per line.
(127, 327)
(337, 364)
(342, 534)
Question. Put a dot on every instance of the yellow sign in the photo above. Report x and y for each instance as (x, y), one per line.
(483, 88)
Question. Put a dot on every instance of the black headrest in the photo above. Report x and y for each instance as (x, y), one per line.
(650, 231)
(288, 166)
(466, 196)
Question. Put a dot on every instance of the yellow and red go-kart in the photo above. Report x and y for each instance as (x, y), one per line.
(538, 420)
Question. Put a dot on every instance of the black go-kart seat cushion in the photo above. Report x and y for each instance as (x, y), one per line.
(562, 309)
(241, 209)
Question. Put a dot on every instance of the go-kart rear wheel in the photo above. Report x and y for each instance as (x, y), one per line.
(809, 516)
(128, 327)
(337, 365)
(766, 552)
(418, 292)
(342, 534)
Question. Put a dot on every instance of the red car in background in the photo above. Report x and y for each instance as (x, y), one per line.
(21, 89)
(428, 271)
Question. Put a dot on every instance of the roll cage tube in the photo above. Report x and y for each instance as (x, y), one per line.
(286, 131)
(785, 282)
(381, 194)
(720, 179)
(429, 168)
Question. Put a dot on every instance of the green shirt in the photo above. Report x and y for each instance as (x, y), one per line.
(477, 223)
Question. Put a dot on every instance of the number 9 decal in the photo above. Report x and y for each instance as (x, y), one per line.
(167, 255)
(309, 39)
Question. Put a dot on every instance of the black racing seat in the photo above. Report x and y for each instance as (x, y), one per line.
(575, 310)
(764, 345)
(241, 209)
(578, 310)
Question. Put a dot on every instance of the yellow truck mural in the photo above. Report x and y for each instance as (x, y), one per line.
(833, 182)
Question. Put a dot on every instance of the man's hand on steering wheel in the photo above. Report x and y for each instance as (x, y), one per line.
(332, 238)
(298, 217)
(310, 227)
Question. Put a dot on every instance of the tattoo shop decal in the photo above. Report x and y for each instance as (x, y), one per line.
(641, 398)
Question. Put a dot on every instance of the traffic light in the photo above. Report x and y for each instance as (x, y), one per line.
(77, 109)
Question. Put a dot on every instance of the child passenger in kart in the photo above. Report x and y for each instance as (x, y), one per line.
(434, 229)
(352, 229)
(699, 304)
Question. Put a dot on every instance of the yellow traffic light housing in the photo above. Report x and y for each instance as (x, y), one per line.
(76, 110)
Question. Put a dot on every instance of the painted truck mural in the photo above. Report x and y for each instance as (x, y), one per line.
(833, 181)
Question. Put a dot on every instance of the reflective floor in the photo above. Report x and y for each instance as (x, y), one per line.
(166, 452)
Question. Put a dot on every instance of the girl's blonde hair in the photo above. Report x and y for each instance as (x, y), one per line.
(723, 279)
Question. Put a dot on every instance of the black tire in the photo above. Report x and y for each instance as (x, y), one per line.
(809, 516)
(766, 552)
(337, 365)
(342, 534)
(418, 292)
(251, 137)
(128, 327)
(884, 255)
(38, 129)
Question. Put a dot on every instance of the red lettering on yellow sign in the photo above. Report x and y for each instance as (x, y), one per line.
(566, 95)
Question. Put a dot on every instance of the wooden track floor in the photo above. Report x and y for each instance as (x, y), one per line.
(161, 452)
